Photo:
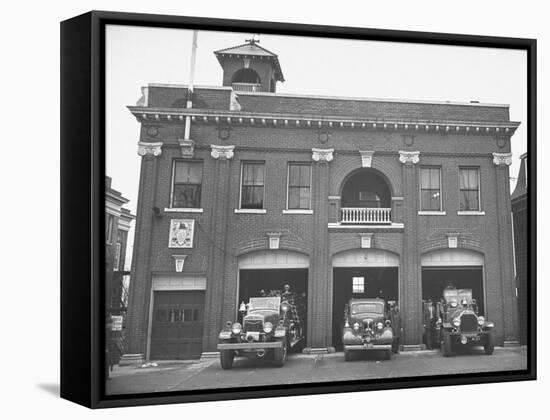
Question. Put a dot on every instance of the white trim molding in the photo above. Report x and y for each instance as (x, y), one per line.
(273, 239)
(297, 211)
(183, 210)
(322, 155)
(501, 159)
(366, 158)
(452, 239)
(251, 211)
(366, 239)
(224, 152)
(409, 157)
(470, 213)
(179, 260)
(149, 149)
(432, 213)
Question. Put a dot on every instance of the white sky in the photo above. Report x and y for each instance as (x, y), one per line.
(136, 56)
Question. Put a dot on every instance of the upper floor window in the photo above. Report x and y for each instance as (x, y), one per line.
(469, 189)
(187, 182)
(252, 185)
(430, 188)
(299, 186)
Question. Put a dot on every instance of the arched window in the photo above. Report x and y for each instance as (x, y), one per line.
(246, 76)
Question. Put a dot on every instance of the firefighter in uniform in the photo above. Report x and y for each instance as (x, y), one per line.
(430, 319)
(395, 318)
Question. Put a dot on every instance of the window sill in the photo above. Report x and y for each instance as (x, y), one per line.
(183, 210)
(251, 211)
(297, 211)
(470, 213)
(432, 213)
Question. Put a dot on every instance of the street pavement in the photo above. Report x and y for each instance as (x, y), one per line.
(301, 368)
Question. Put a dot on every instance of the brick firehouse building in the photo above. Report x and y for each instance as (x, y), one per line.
(335, 196)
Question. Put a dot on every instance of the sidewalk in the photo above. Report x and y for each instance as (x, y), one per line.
(304, 368)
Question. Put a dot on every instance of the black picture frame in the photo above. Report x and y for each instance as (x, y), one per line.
(82, 206)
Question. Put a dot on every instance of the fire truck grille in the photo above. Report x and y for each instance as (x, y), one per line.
(468, 322)
(253, 326)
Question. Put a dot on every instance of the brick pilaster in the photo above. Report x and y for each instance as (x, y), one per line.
(320, 267)
(217, 256)
(509, 307)
(410, 290)
(140, 285)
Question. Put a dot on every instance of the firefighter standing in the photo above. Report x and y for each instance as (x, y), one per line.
(395, 318)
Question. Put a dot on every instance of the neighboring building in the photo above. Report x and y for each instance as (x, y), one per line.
(337, 197)
(520, 215)
(117, 225)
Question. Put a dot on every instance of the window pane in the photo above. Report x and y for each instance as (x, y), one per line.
(162, 315)
(425, 178)
(252, 197)
(196, 315)
(188, 315)
(472, 179)
(188, 172)
(186, 195)
(294, 175)
(358, 284)
(253, 174)
(304, 198)
(293, 198)
(430, 200)
(434, 178)
(463, 179)
(304, 175)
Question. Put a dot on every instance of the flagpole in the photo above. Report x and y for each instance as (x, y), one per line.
(191, 85)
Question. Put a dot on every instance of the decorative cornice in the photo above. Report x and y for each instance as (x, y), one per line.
(144, 114)
(149, 149)
(501, 159)
(366, 158)
(224, 152)
(322, 155)
(409, 157)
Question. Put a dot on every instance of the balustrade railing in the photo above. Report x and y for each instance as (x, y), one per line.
(247, 87)
(362, 215)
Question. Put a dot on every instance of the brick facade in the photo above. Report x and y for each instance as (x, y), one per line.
(278, 129)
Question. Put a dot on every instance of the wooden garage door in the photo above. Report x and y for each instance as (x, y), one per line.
(177, 324)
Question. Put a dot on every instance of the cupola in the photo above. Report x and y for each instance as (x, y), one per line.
(250, 68)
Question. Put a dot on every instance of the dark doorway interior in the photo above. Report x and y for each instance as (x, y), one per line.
(381, 282)
(251, 282)
(435, 279)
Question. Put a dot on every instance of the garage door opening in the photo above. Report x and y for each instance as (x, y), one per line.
(435, 279)
(360, 282)
(177, 325)
(271, 282)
